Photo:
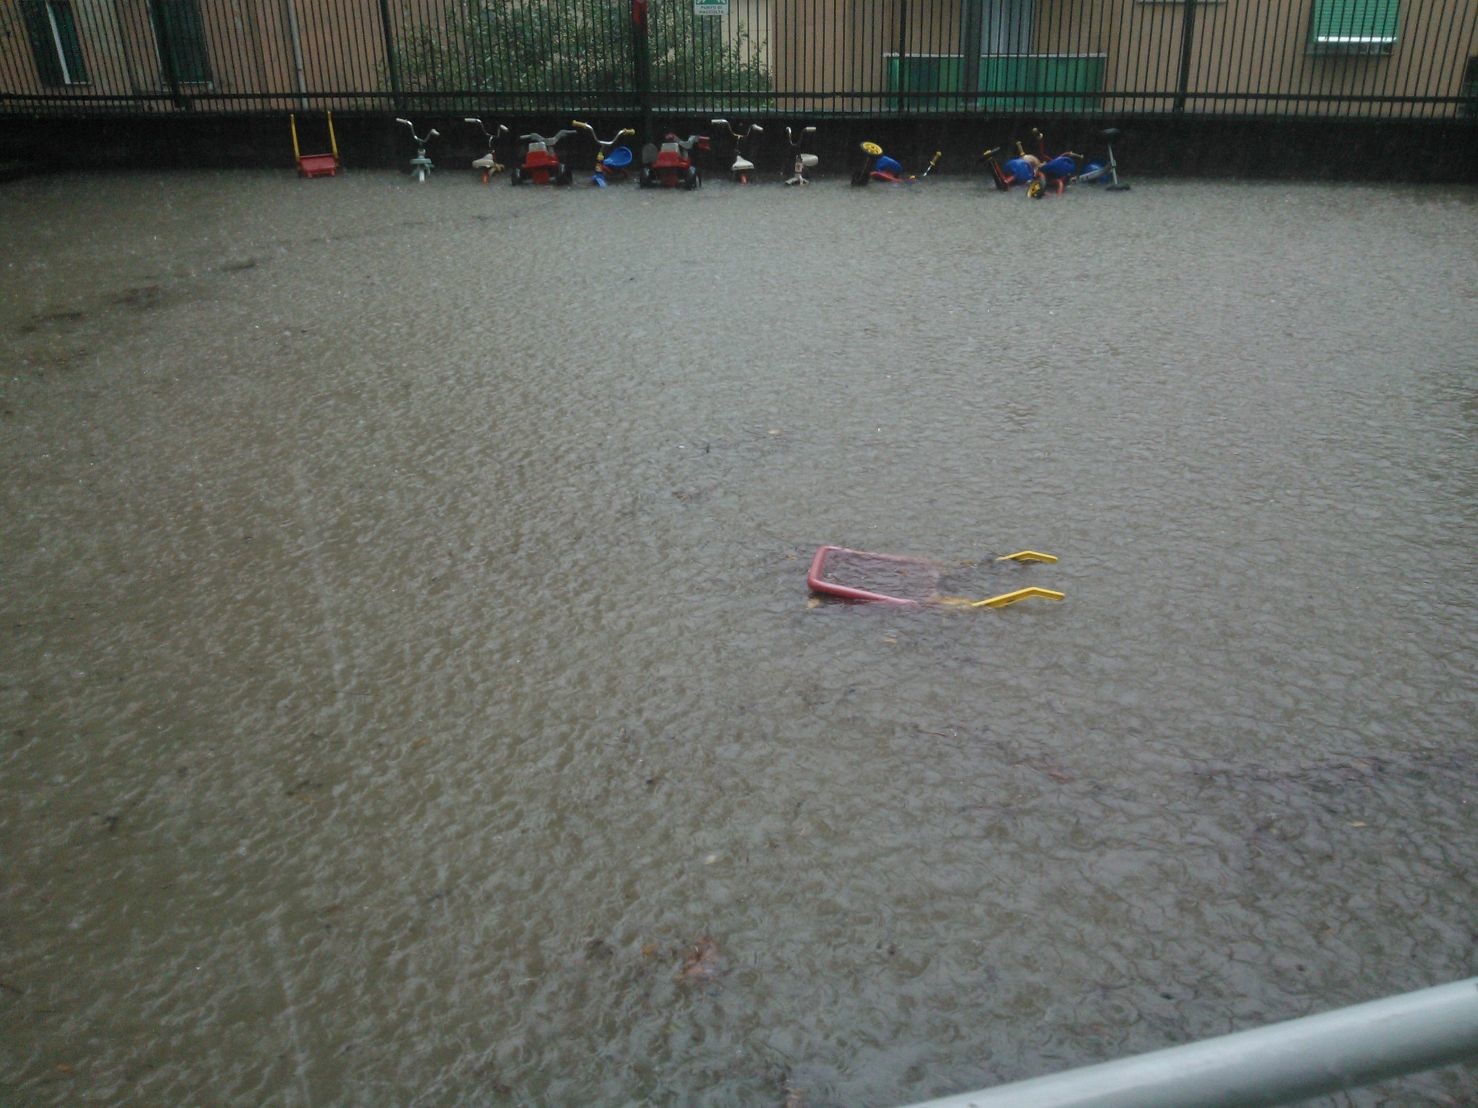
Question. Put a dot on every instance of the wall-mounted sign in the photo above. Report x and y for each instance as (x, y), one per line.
(710, 7)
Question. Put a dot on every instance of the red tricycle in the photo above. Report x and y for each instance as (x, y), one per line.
(672, 164)
(540, 165)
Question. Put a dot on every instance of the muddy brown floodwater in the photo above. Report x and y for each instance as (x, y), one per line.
(410, 693)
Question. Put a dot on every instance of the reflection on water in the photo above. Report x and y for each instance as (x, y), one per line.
(410, 692)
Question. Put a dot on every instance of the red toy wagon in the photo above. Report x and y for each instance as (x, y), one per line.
(864, 577)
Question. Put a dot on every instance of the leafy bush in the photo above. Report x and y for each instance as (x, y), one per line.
(546, 54)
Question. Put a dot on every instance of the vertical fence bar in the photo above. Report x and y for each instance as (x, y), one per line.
(1237, 50)
(900, 82)
(1143, 58)
(1187, 43)
(1417, 76)
(641, 67)
(392, 64)
(971, 20)
(1271, 66)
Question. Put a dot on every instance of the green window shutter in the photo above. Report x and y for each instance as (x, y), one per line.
(55, 46)
(1081, 73)
(185, 31)
(38, 29)
(1354, 24)
(68, 42)
(932, 73)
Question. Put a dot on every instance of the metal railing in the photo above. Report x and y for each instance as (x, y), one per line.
(1280, 1064)
(885, 58)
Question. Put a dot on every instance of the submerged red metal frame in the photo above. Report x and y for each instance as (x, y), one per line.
(847, 592)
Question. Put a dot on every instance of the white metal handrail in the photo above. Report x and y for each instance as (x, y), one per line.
(1279, 1064)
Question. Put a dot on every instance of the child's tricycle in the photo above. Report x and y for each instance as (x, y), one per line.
(877, 166)
(540, 166)
(672, 164)
(488, 163)
(611, 161)
(1035, 171)
(742, 167)
(1108, 169)
(803, 162)
(420, 164)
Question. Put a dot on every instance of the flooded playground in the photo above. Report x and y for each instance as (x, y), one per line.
(411, 693)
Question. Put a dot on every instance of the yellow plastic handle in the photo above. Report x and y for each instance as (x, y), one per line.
(1020, 594)
(1028, 556)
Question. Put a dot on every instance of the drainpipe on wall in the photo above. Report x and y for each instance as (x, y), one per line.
(297, 42)
(1187, 40)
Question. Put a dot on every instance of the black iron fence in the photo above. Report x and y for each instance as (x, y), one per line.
(871, 58)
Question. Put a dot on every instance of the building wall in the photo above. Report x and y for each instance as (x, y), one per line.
(1424, 60)
(1239, 46)
(825, 56)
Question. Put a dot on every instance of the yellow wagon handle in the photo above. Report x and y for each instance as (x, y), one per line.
(333, 141)
(1004, 599)
(1020, 594)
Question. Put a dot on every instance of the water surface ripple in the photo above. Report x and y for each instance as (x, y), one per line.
(410, 693)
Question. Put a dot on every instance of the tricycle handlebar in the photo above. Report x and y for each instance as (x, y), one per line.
(534, 136)
(431, 134)
(753, 128)
(604, 144)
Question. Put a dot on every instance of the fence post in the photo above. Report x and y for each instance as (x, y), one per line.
(902, 55)
(973, 24)
(166, 55)
(641, 59)
(1187, 40)
(392, 67)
